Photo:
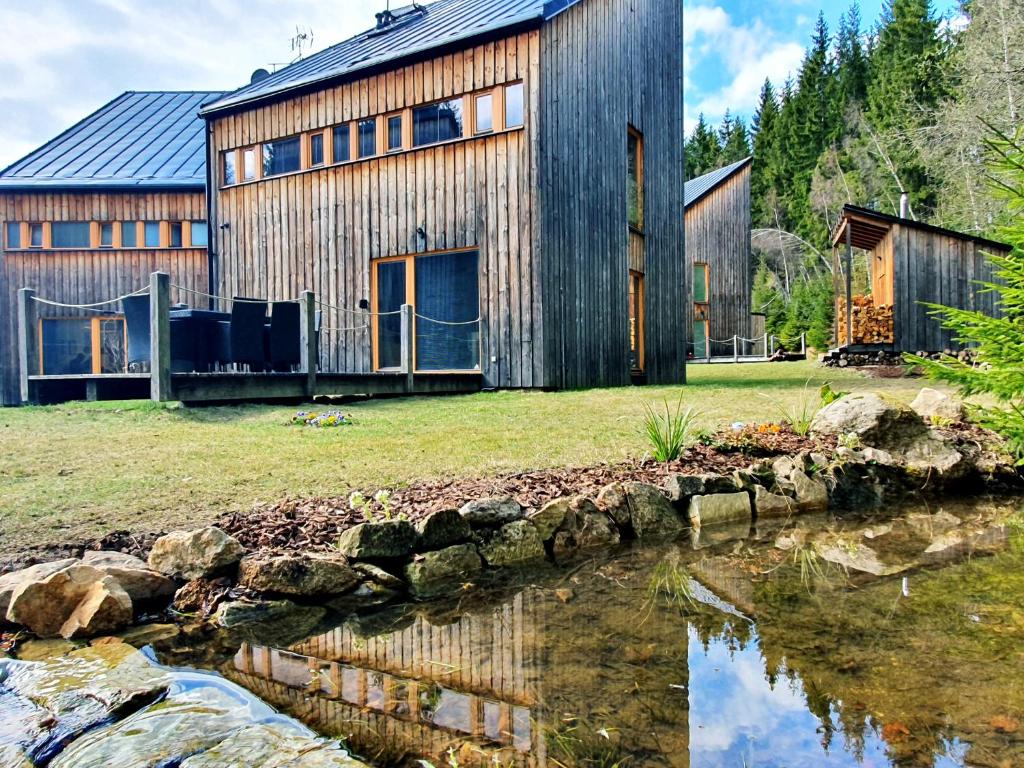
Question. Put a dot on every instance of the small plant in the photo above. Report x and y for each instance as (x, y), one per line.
(801, 414)
(671, 433)
(326, 419)
(381, 501)
(829, 395)
(850, 441)
(672, 583)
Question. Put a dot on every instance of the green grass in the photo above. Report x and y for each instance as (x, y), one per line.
(80, 470)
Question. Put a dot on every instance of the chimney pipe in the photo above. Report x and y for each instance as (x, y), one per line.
(904, 206)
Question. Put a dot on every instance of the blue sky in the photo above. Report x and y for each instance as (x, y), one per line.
(63, 59)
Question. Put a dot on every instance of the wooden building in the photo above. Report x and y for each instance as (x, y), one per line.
(718, 250)
(486, 162)
(910, 264)
(88, 216)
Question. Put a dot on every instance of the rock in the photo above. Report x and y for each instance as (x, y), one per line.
(45, 605)
(147, 634)
(959, 543)
(105, 608)
(10, 581)
(550, 517)
(790, 539)
(651, 513)
(769, 505)
(877, 422)
(933, 405)
(930, 525)
(443, 529)
(42, 650)
(201, 596)
(366, 595)
(563, 546)
(378, 575)
(857, 556)
(432, 571)
(564, 595)
(385, 540)
(718, 484)
(931, 454)
(716, 535)
(235, 613)
(681, 487)
(811, 494)
(592, 528)
(188, 555)
(745, 480)
(613, 501)
(273, 746)
(515, 543)
(720, 508)
(145, 586)
(300, 574)
(784, 466)
(878, 456)
(492, 513)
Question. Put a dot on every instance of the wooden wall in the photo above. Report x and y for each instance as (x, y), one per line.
(320, 229)
(935, 268)
(607, 65)
(86, 276)
(718, 234)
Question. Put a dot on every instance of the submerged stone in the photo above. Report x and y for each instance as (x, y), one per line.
(238, 612)
(197, 554)
(384, 540)
(430, 573)
(273, 746)
(720, 508)
(771, 505)
(515, 543)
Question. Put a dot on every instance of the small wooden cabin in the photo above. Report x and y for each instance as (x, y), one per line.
(512, 169)
(910, 264)
(718, 250)
(89, 215)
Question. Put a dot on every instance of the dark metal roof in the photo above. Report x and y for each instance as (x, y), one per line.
(697, 189)
(869, 227)
(444, 23)
(140, 139)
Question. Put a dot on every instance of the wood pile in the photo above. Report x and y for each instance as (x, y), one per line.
(871, 324)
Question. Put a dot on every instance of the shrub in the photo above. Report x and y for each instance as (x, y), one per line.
(671, 433)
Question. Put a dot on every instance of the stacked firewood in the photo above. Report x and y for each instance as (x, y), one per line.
(871, 324)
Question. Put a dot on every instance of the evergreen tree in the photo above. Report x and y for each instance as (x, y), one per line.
(702, 150)
(733, 140)
(851, 58)
(765, 132)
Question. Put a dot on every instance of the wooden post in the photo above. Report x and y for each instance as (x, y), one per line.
(735, 348)
(849, 284)
(28, 341)
(307, 340)
(408, 339)
(803, 343)
(766, 346)
(160, 337)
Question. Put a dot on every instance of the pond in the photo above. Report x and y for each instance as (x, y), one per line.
(775, 646)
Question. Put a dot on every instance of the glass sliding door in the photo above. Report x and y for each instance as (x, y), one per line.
(447, 308)
(67, 347)
(391, 295)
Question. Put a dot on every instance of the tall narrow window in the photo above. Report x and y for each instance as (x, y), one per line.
(106, 235)
(636, 321)
(35, 235)
(435, 123)
(200, 234)
(176, 240)
(152, 234)
(249, 164)
(394, 133)
(515, 115)
(447, 307)
(129, 234)
(391, 295)
(635, 183)
(700, 283)
(368, 138)
(70, 234)
(316, 150)
(230, 171)
(700, 338)
(342, 145)
(13, 234)
(281, 156)
(484, 118)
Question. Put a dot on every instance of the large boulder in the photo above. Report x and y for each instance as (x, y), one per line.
(187, 555)
(515, 543)
(591, 528)
(642, 507)
(384, 540)
(933, 406)
(144, 585)
(772, 505)
(810, 493)
(720, 508)
(876, 421)
(44, 605)
(492, 513)
(434, 571)
(443, 529)
(549, 518)
(9, 582)
(105, 608)
(300, 574)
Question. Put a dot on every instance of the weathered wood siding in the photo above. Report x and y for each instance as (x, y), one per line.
(608, 65)
(90, 275)
(935, 268)
(718, 234)
(319, 229)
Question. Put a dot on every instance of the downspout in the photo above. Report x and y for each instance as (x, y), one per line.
(211, 220)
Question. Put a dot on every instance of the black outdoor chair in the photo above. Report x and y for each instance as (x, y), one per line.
(284, 346)
(241, 338)
(136, 319)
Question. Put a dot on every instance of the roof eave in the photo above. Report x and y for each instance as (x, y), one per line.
(742, 165)
(120, 185)
(856, 210)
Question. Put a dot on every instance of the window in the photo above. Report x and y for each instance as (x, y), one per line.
(514, 113)
(230, 161)
(281, 156)
(700, 283)
(200, 234)
(129, 234)
(437, 122)
(81, 346)
(106, 235)
(342, 147)
(394, 133)
(248, 164)
(484, 105)
(176, 240)
(70, 234)
(368, 138)
(152, 234)
(35, 235)
(636, 321)
(13, 234)
(635, 183)
(447, 304)
(316, 150)
(700, 338)
(391, 295)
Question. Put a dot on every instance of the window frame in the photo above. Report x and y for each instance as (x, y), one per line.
(360, 124)
(193, 225)
(9, 227)
(476, 99)
(311, 143)
(233, 154)
(519, 85)
(461, 101)
(95, 340)
(43, 228)
(638, 335)
(707, 283)
(255, 152)
(101, 228)
(632, 134)
(388, 120)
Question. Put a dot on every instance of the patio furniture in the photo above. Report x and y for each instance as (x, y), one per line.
(241, 337)
(284, 348)
(136, 319)
(195, 339)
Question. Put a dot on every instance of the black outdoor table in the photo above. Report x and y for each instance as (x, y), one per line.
(194, 338)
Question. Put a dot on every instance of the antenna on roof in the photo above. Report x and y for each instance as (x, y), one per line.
(303, 39)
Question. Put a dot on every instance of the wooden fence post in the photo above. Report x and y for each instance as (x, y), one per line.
(408, 355)
(28, 341)
(766, 346)
(308, 341)
(160, 336)
(735, 348)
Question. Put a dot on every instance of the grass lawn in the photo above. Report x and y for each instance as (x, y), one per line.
(81, 470)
